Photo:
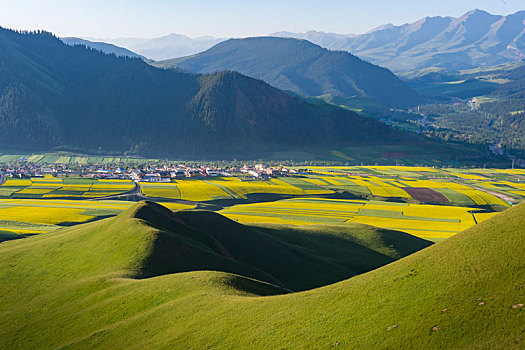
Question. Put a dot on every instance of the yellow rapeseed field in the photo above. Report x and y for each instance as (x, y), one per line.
(42, 215)
(251, 219)
(331, 180)
(388, 191)
(481, 198)
(275, 186)
(315, 181)
(519, 185)
(35, 190)
(427, 221)
(200, 191)
(97, 194)
(111, 187)
(480, 217)
(17, 182)
(164, 190)
(407, 224)
(178, 206)
(25, 232)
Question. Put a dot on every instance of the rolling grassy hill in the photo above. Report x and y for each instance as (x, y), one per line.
(52, 279)
(302, 68)
(90, 286)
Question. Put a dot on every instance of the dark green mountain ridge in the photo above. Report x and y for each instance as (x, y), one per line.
(57, 96)
(301, 67)
(101, 46)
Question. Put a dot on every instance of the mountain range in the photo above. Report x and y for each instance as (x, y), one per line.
(475, 39)
(102, 46)
(165, 47)
(54, 95)
(301, 67)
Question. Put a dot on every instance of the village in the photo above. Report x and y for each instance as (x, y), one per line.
(150, 173)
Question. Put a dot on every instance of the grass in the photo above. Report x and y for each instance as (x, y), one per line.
(456, 197)
(90, 270)
(74, 288)
(341, 155)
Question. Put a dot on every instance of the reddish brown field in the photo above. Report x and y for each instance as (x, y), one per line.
(426, 195)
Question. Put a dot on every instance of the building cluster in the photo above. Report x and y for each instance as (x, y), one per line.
(160, 173)
(261, 171)
(167, 173)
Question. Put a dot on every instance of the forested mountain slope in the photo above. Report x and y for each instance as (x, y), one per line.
(301, 67)
(54, 95)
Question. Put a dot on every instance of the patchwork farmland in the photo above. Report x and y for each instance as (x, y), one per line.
(35, 216)
(229, 188)
(427, 221)
(422, 185)
(26, 216)
(431, 203)
(57, 187)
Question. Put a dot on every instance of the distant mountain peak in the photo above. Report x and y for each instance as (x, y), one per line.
(175, 35)
(165, 47)
(101, 46)
(476, 38)
(381, 27)
(477, 12)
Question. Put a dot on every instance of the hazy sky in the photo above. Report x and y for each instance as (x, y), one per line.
(227, 18)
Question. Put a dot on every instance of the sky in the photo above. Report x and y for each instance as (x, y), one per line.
(227, 18)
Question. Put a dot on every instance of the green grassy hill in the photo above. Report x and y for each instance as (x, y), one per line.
(85, 287)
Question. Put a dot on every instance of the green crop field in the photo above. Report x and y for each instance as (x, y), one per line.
(451, 193)
(65, 158)
(459, 187)
(55, 187)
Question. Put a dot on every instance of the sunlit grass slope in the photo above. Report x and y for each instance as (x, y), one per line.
(85, 287)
